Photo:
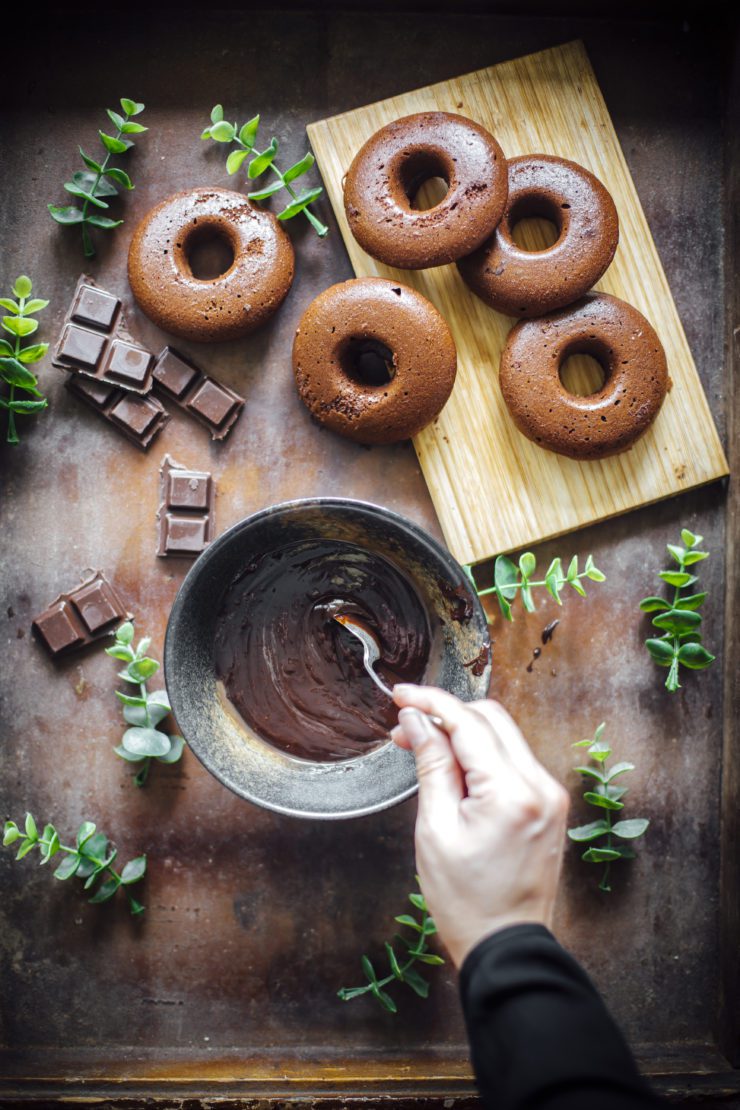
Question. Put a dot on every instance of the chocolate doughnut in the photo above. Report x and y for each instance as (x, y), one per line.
(226, 307)
(606, 422)
(373, 360)
(531, 283)
(387, 171)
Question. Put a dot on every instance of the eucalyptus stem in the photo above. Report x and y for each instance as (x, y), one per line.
(510, 577)
(88, 247)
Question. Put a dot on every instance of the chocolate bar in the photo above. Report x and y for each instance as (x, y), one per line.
(96, 343)
(85, 614)
(185, 517)
(140, 419)
(211, 403)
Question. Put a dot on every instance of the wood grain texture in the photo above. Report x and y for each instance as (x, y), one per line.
(493, 489)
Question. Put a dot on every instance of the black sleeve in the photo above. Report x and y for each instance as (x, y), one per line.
(540, 1036)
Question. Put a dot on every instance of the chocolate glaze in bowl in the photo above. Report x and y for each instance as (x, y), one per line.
(450, 639)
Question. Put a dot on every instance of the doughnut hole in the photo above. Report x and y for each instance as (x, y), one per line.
(208, 251)
(534, 223)
(366, 361)
(584, 369)
(425, 179)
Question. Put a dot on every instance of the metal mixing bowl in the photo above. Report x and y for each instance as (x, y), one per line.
(238, 757)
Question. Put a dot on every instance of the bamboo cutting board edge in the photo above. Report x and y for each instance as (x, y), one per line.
(525, 495)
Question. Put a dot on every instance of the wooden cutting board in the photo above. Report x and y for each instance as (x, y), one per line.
(492, 488)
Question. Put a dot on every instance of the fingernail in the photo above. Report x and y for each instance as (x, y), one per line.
(416, 727)
(403, 688)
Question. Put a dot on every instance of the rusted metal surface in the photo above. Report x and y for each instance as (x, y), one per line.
(253, 920)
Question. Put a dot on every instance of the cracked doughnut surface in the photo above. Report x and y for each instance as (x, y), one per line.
(226, 307)
(606, 422)
(388, 170)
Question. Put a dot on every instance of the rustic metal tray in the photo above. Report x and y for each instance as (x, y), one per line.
(225, 989)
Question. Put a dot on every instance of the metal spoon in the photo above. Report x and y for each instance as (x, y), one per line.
(371, 654)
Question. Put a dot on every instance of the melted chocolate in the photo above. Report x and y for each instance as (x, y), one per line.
(293, 673)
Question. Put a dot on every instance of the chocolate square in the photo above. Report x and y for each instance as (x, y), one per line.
(57, 628)
(184, 535)
(95, 307)
(212, 402)
(95, 605)
(189, 489)
(174, 373)
(127, 362)
(81, 347)
(97, 393)
(134, 413)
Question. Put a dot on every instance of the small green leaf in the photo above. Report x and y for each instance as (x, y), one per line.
(578, 587)
(135, 907)
(695, 657)
(102, 221)
(248, 133)
(125, 632)
(630, 830)
(677, 578)
(417, 900)
(90, 162)
(142, 669)
(505, 577)
(262, 194)
(222, 132)
(25, 406)
(96, 846)
(347, 993)
(300, 203)
(146, 741)
(417, 982)
(206, 134)
(429, 928)
(676, 553)
(124, 653)
(35, 305)
(31, 831)
(527, 599)
(85, 831)
(407, 919)
(125, 698)
(120, 176)
(602, 801)
(19, 325)
(572, 570)
(78, 191)
(430, 958)
(384, 998)
(299, 168)
(689, 538)
(259, 164)
(695, 557)
(115, 146)
(131, 107)
(66, 214)
(22, 286)
(68, 866)
(395, 968)
(594, 772)
(11, 833)
(527, 564)
(504, 606)
(25, 848)
(128, 756)
(618, 769)
(661, 651)
(217, 113)
(677, 620)
(368, 968)
(600, 855)
(588, 832)
(10, 306)
(115, 119)
(235, 159)
(655, 604)
(106, 890)
(694, 601)
(134, 870)
(131, 128)
(177, 746)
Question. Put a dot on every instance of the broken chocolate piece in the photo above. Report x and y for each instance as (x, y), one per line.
(185, 517)
(140, 419)
(83, 615)
(211, 403)
(96, 343)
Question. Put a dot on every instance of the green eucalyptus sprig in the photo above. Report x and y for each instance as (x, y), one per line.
(14, 357)
(221, 131)
(402, 966)
(508, 577)
(144, 741)
(100, 180)
(608, 800)
(91, 858)
(678, 619)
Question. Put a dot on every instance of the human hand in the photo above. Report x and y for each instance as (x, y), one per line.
(490, 830)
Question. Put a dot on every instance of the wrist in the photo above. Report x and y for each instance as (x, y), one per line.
(464, 946)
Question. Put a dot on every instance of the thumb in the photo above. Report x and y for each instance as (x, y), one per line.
(439, 774)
